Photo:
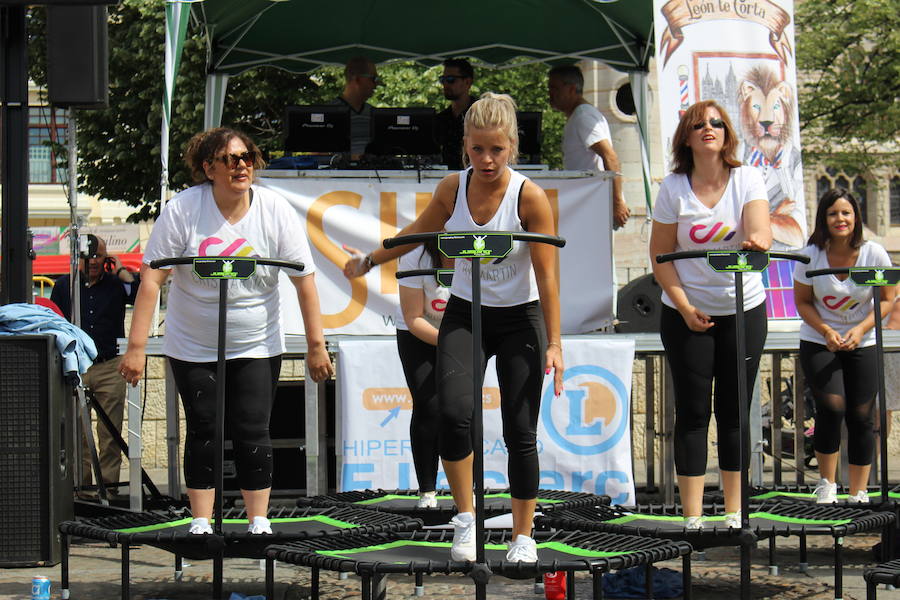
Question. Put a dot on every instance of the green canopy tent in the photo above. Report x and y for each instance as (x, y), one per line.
(298, 36)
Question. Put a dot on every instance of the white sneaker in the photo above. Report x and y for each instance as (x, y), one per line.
(200, 526)
(522, 549)
(826, 492)
(860, 497)
(260, 525)
(427, 500)
(463, 547)
(693, 523)
(733, 520)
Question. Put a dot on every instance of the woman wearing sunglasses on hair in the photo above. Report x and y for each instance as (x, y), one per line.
(225, 214)
(708, 202)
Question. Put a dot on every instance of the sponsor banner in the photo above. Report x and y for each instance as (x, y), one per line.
(584, 435)
(362, 212)
(740, 53)
(120, 239)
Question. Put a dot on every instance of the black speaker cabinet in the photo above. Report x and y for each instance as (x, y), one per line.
(639, 305)
(77, 56)
(36, 450)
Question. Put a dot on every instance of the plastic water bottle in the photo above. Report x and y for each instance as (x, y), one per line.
(40, 588)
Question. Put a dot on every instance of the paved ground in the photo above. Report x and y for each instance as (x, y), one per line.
(95, 573)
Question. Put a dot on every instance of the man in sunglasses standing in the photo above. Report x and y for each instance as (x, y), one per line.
(107, 286)
(361, 80)
(586, 141)
(456, 80)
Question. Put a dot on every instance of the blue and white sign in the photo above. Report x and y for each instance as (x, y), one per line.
(584, 434)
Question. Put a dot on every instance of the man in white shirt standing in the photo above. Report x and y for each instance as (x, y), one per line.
(586, 141)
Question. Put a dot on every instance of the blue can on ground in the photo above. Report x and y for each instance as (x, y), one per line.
(40, 588)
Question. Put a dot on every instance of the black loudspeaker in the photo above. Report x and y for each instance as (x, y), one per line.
(639, 305)
(36, 450)
(77, 56)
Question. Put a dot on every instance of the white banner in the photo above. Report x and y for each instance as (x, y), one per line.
(584, 435)
(740, 54)
(362, 212)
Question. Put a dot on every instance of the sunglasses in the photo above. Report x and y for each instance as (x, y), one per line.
(375, 78)
(451, 79)
(233, 160)
(716, 123)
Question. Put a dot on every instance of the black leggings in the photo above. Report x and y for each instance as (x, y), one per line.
(516, 336)
(844, 385)
(695, 360)
(249, 395)
(419, 359)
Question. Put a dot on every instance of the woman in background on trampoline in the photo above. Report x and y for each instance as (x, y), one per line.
(520, 315)
(708, 202)
(226, 215)
(422, 303)
(837, 341)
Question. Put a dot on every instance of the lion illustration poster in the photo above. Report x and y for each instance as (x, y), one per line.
(740, 54)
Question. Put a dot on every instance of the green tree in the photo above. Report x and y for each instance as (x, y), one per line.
(849, 52)
(118, 147)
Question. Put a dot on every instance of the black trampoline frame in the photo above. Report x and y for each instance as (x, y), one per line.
(442, 514)
(214, 546)
(887, 573)
(374, 573)
(863, 521)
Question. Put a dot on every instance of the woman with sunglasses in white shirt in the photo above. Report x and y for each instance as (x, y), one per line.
(708, 202)
(225, 214)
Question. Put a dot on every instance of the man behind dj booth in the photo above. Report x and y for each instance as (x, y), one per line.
(456, 82)
(361, 79)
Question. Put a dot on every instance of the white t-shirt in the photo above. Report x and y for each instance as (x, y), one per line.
(436, 295)
(507, 281)
(718, 228)
(841, 304)
(191, 225)
(584, 128)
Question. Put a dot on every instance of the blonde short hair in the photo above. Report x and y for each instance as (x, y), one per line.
(494, 111)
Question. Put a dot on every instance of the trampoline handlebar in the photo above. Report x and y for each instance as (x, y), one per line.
(187, 260)
(663, 258)
(415, 273)
(417, 238)
(834, 271)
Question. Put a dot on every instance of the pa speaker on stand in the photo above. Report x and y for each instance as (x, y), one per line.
(77, 56)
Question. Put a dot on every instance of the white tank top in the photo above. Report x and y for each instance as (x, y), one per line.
(506, 281)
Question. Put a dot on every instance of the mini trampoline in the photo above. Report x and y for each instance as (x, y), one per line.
(806, 493)
(766, 521)
(169, 531)
(887, 573)
(403, 502)
(374, 557)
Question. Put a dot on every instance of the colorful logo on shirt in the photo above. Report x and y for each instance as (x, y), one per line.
(720, 232)
(438, 305)
(239, 247)
(844, 304)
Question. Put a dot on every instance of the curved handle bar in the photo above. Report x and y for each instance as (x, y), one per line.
(416, 238)
(187, 260)
(662, 258)
(414, 273)
(834, 271)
